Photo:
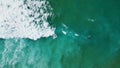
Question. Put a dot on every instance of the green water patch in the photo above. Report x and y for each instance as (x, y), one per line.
(97, 22)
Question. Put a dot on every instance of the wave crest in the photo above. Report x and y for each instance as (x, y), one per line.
(25, 19)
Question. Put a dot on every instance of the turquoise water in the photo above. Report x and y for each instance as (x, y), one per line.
(97, 46)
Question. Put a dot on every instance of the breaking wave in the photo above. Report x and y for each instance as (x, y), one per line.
(25, 19)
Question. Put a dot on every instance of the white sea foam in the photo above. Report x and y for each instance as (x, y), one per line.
(76, 34)
(64, 32)
(91, 20)
(25, 19)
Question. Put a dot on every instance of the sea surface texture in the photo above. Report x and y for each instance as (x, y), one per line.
(59, 34)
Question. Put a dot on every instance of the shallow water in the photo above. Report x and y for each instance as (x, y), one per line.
(87, 37)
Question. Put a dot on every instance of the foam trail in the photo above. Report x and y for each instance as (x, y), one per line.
(12, 52)
(25, 19)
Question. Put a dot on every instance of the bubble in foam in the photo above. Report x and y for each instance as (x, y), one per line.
(25, 19)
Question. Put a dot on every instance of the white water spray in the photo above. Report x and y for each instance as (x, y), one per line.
(25, 19)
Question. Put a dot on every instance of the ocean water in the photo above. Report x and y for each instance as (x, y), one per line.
(59, 34)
